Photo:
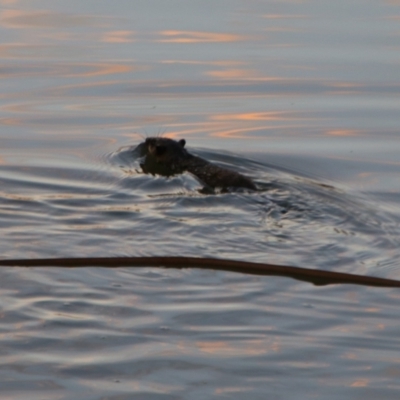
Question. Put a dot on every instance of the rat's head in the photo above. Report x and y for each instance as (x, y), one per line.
(163, 156)
(165, 150)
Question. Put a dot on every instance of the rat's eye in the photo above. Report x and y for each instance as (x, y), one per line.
(160, 150)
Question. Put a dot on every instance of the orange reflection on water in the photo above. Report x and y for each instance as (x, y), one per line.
(198, 37)
(365, 174)
(240, 125)
(18, 19)
(242, 133)
(99, 70)
(228, 126)
(343, 132)
(349, 356)
(232, 74)
(244, 348)
(10, 121)
(221, 63)
(346, 85)
(252, 116)
(343, 88)
(118, 37)
(373, 309)
(360, 383)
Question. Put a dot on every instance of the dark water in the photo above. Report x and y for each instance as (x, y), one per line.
(303, 97)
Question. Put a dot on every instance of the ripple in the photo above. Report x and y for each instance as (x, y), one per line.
(293, 219)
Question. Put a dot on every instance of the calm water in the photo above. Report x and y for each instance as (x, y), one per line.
(301, 96)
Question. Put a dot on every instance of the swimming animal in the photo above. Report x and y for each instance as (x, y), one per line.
(164, 156)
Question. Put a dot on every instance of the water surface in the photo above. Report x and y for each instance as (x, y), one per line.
(302, 97)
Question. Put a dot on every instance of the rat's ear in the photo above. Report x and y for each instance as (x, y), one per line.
(182, 142)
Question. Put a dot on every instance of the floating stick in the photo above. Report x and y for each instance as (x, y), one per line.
(317, 277)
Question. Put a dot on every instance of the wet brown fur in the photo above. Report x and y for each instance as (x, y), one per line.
(164, 156)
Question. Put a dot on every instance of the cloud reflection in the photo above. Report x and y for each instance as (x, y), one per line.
(18, 19)
(172, 36)
(360, 383)
(343, 132)
(232, 74)
(254, 124)
(244, 348)
(253, 116)
(118, 37)
(69, 70)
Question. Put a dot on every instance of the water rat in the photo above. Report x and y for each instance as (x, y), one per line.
(164, 156)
